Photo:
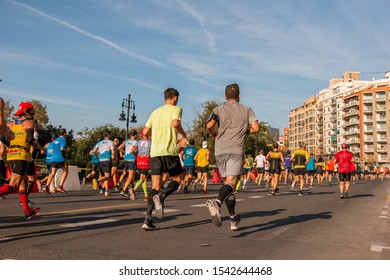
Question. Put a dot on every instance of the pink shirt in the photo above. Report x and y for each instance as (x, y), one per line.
(344, 158)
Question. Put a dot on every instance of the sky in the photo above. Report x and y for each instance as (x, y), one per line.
(81, 58)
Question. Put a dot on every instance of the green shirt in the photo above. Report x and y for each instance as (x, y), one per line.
(164, 135)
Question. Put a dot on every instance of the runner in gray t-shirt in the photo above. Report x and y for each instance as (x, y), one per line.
(234, 121)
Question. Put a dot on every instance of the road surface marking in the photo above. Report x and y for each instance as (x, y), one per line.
(279, 231)
(165, 211)
(379, 248)
(256, 196)
(199, 205)
(89, 223)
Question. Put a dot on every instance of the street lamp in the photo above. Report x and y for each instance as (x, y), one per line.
(130, 105)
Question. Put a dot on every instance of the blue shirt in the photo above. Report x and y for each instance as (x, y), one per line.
(56, 154)
(287, 162)
(189, 155)
(49, 152)
(311, 165)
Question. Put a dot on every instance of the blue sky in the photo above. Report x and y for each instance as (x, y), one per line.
(82, 57)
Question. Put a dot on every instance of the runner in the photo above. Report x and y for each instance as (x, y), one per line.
(64, 147)
(300, 158)
(19, 156)
(95, 167)
(276, 159)
(287, 168)
(105, 150)
(260, 167)
(188, 157)
(202, 158)
(115, 164)
(320, 166)
(344, 159)
(164, 124)
(234, 121)
(330, 168)
(311, 169)
(143, 159)
(129, 149)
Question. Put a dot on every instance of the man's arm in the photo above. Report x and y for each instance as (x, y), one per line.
(254, 128)
(177, 125)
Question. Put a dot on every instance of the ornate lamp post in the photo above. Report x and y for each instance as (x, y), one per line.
(130, 106)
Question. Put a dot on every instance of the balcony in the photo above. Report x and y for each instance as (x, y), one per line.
(350, 104)
(369, 139)
(368, 120)
(380, 108)
(368, 149)
(381, 119)
(351, 113)
(381, 128)
(352, 132)
(367, 109)
(381, 149)
(353, 140)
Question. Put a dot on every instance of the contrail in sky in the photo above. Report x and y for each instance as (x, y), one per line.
(95, 37)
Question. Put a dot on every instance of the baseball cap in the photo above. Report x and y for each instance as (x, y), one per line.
(344, 146)
(22, 107)
(204, 144)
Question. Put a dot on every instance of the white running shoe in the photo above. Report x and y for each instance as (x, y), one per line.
(215, 212)
(158, 207)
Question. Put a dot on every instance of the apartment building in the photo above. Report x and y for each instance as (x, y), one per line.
(350, 111)
(366, 121)
(302, 125)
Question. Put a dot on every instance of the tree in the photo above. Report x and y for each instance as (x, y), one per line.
(8, 109)
(40, 112)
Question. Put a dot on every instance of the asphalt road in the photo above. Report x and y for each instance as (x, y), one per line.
(84, 225)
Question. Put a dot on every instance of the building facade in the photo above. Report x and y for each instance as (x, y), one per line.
(351, 111)
(302, 125)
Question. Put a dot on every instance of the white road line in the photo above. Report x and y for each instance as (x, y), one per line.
(165, 211)
(89, 223)
(199, 205)
(279, 231)
(256, 196)
(379, 248)
(5, 238)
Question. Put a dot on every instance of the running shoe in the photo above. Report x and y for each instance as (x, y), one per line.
(61, 190)
(158, 206)
(46, 190)
(33, 212)
(273, 193)
(234, 222)
(215, 212)
(146, 199)
(341, 195)
(124, 194)
(84, 182)
(300, 193)
(132, 194)
(185, 190)
(345, 194)
(107, 193)
(205, 192)
(148, 225)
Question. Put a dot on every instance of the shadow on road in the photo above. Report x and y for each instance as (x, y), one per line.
(245, 231)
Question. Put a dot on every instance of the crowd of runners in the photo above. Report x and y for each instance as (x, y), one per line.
(162, 152)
